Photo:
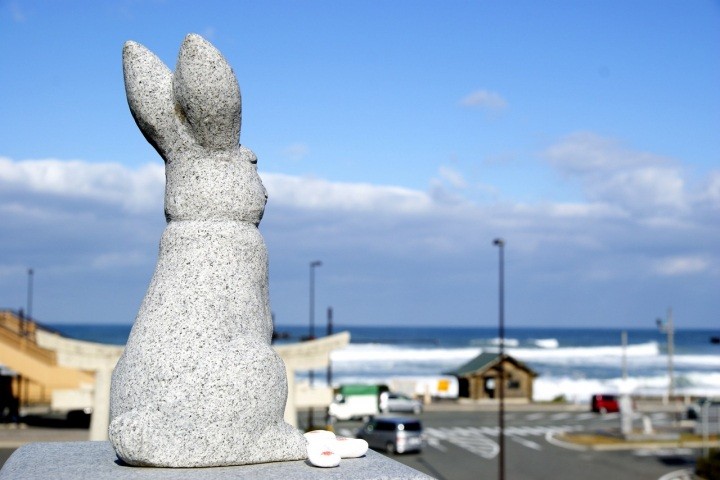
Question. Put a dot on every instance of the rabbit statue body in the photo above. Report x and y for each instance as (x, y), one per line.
(198, 384)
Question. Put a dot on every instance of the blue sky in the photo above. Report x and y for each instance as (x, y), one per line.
(396, 140)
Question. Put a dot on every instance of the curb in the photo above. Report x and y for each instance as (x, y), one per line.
(550, 437)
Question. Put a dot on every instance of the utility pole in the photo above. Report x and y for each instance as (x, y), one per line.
(667, 327)
(311, 333)
(500, 243)
(29, 293)
(329, 332)
(313, 265)
(623, 339)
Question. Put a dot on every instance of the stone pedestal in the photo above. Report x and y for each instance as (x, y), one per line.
(97, 461)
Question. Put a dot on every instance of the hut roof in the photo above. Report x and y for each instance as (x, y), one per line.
(484, 362)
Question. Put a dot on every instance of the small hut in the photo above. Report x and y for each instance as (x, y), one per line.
(478, 378)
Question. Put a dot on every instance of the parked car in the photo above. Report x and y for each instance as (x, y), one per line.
(397, 402)
(393, 434)
(694, 411)
(602, 403)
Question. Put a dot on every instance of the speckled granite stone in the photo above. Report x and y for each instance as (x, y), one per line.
(198, 384)
(97, 461)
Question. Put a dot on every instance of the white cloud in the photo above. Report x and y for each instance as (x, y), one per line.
(16, 12)
(633, 180)
(97, 226)
(135, 190)
(711, 191)
(122, 259)
(308, 193)
(682, 265)
(484, 99)
(589, 153)
(454, 177)
(585, 210)
(296, 151)
(649, 186)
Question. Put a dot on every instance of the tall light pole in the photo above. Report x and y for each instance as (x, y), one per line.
(329, 332)
(668, 327)
(313, 265)
(28, 311)
(311, 334)
(500, 384)
(329, 367)
(26, 316)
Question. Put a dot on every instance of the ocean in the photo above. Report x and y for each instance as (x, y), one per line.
(572, 363)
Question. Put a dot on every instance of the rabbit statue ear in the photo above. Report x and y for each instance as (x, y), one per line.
(148, 87)
(208, 93)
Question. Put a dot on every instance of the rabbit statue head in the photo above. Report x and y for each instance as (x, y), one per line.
(192, 118)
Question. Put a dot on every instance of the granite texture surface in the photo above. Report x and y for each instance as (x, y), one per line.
(97, 461)
(198, 384)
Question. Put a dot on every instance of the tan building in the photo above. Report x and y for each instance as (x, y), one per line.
(478, 378)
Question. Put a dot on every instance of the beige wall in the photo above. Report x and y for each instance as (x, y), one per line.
(512, 374)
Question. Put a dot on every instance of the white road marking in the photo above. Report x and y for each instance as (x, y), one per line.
(585, 416)
(560, 416)
(527, 443)
(535, 416)
(468, 438)
(435, 443)
(520, 431)
(684, 474)
(490, 430)
(477, 441)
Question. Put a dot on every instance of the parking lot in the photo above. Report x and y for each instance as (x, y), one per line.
(464, 445)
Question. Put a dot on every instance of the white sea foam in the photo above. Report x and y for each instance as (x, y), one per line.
(546, 343)
(574, 372)
(508, 342)
(372, 352)
(579, 390)
(649, 349)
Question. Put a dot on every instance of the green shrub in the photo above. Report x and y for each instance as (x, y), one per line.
(709, 467)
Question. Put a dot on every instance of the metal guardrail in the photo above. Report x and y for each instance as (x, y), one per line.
(20, 333)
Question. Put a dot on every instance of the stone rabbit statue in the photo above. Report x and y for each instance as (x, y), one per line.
(198, 384)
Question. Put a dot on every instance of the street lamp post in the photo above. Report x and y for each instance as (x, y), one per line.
(316, 263)
(500, 383)
(29, 293)
(311, 333)
(667, 326)
(26, 316)
(329, 332)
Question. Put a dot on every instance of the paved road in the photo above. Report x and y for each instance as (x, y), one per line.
(464, 445)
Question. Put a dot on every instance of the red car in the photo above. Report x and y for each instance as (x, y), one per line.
(605, 403)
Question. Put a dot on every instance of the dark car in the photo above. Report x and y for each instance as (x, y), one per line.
(602, 403)
(393, 434)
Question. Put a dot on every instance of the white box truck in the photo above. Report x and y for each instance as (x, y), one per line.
(356, 401)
